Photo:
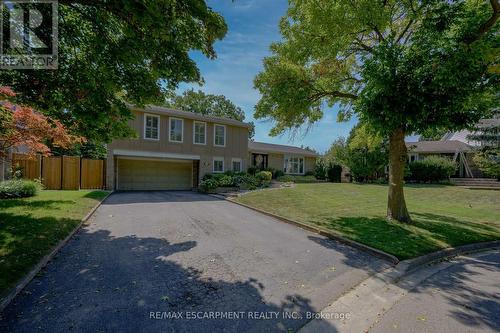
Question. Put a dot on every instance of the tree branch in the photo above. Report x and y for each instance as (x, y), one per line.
(339, 94)
(410, 22)
(486, 26)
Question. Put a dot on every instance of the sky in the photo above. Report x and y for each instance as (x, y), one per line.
(252, 27)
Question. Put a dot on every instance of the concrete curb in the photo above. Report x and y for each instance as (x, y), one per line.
(407, 266)
(369, 300)
(375, 252)
(46, 259)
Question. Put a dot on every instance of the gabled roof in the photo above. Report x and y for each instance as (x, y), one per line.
(450, 146)
(261, 147)
(189, 115)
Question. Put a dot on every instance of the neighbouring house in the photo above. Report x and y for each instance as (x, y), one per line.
(453, 149)
(174, 149)
(454, 145)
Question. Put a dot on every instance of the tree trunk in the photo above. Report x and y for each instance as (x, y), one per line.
(396, 205)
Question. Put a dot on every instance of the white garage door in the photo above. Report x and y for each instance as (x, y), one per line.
(153, 175)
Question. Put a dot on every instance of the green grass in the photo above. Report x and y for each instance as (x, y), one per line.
(443, 216)
(31, 227)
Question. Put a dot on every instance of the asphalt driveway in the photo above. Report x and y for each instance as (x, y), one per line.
(186, 262)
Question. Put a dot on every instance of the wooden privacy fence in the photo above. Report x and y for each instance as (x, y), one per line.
(63, 172)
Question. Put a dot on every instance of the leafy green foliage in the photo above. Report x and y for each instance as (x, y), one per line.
(209, 105)
(366, 154)
(320, 168)
(113, 52)
(18, 188)
(297, 179)
(488, 156)
(334, 172)
(410, 64)
(401, 66)
(208, 185)
(431, 169)
(264, 177)
(246, 182)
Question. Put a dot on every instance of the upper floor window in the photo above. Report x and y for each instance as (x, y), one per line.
(294, 165)
(151, 127)
(200, 133)
(176, 130)
(220, 135)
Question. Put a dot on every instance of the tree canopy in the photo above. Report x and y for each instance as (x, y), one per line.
(112, 52)
(402, 66)
(208, 104)
(21, 126)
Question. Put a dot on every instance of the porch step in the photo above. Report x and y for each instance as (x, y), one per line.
(476, 182)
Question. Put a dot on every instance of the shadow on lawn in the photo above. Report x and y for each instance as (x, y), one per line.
(24, 240)
(37, 204)
(104, 283)
(428, 233)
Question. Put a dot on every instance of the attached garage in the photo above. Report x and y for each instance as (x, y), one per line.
(149, 174)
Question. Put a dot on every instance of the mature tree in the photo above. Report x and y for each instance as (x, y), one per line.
(367, 153)
(403, 66)
(337, 152)
(112, 52)
(208, 104)
(23, 127)
(432, 134)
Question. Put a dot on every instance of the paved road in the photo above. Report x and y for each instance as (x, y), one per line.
(465, 297)
(147, 255)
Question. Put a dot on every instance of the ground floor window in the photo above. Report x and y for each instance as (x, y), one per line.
(236, 164)
(294, 165)
(218, 164)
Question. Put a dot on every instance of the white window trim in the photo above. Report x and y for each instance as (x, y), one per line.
(144, 127)
(213, 164)
(194, 133)
(237, 160)
(303, 165)
(170, 128)
(225, 135)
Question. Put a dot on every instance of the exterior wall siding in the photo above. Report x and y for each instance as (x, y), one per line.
(236, 144)
(276, 161)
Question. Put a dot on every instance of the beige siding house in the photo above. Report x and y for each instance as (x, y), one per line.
(289, 159)
(174, 149)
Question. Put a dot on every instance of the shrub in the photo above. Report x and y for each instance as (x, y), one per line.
(432, 169)
(271, 170)
(309, 173)
(320, 169)
(286, 179)
(334, 172)
(297, 179)
(252, 170)
(209, 184)
(18, 188)
(264, 177)
(226, 181)
(246, 182)
(278, 173)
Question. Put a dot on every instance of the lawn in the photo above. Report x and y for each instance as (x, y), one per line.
(443, 216)
(31, 227)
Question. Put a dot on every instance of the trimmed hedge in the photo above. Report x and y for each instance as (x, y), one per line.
(18, 188)
(297, 179)
(431, 169)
